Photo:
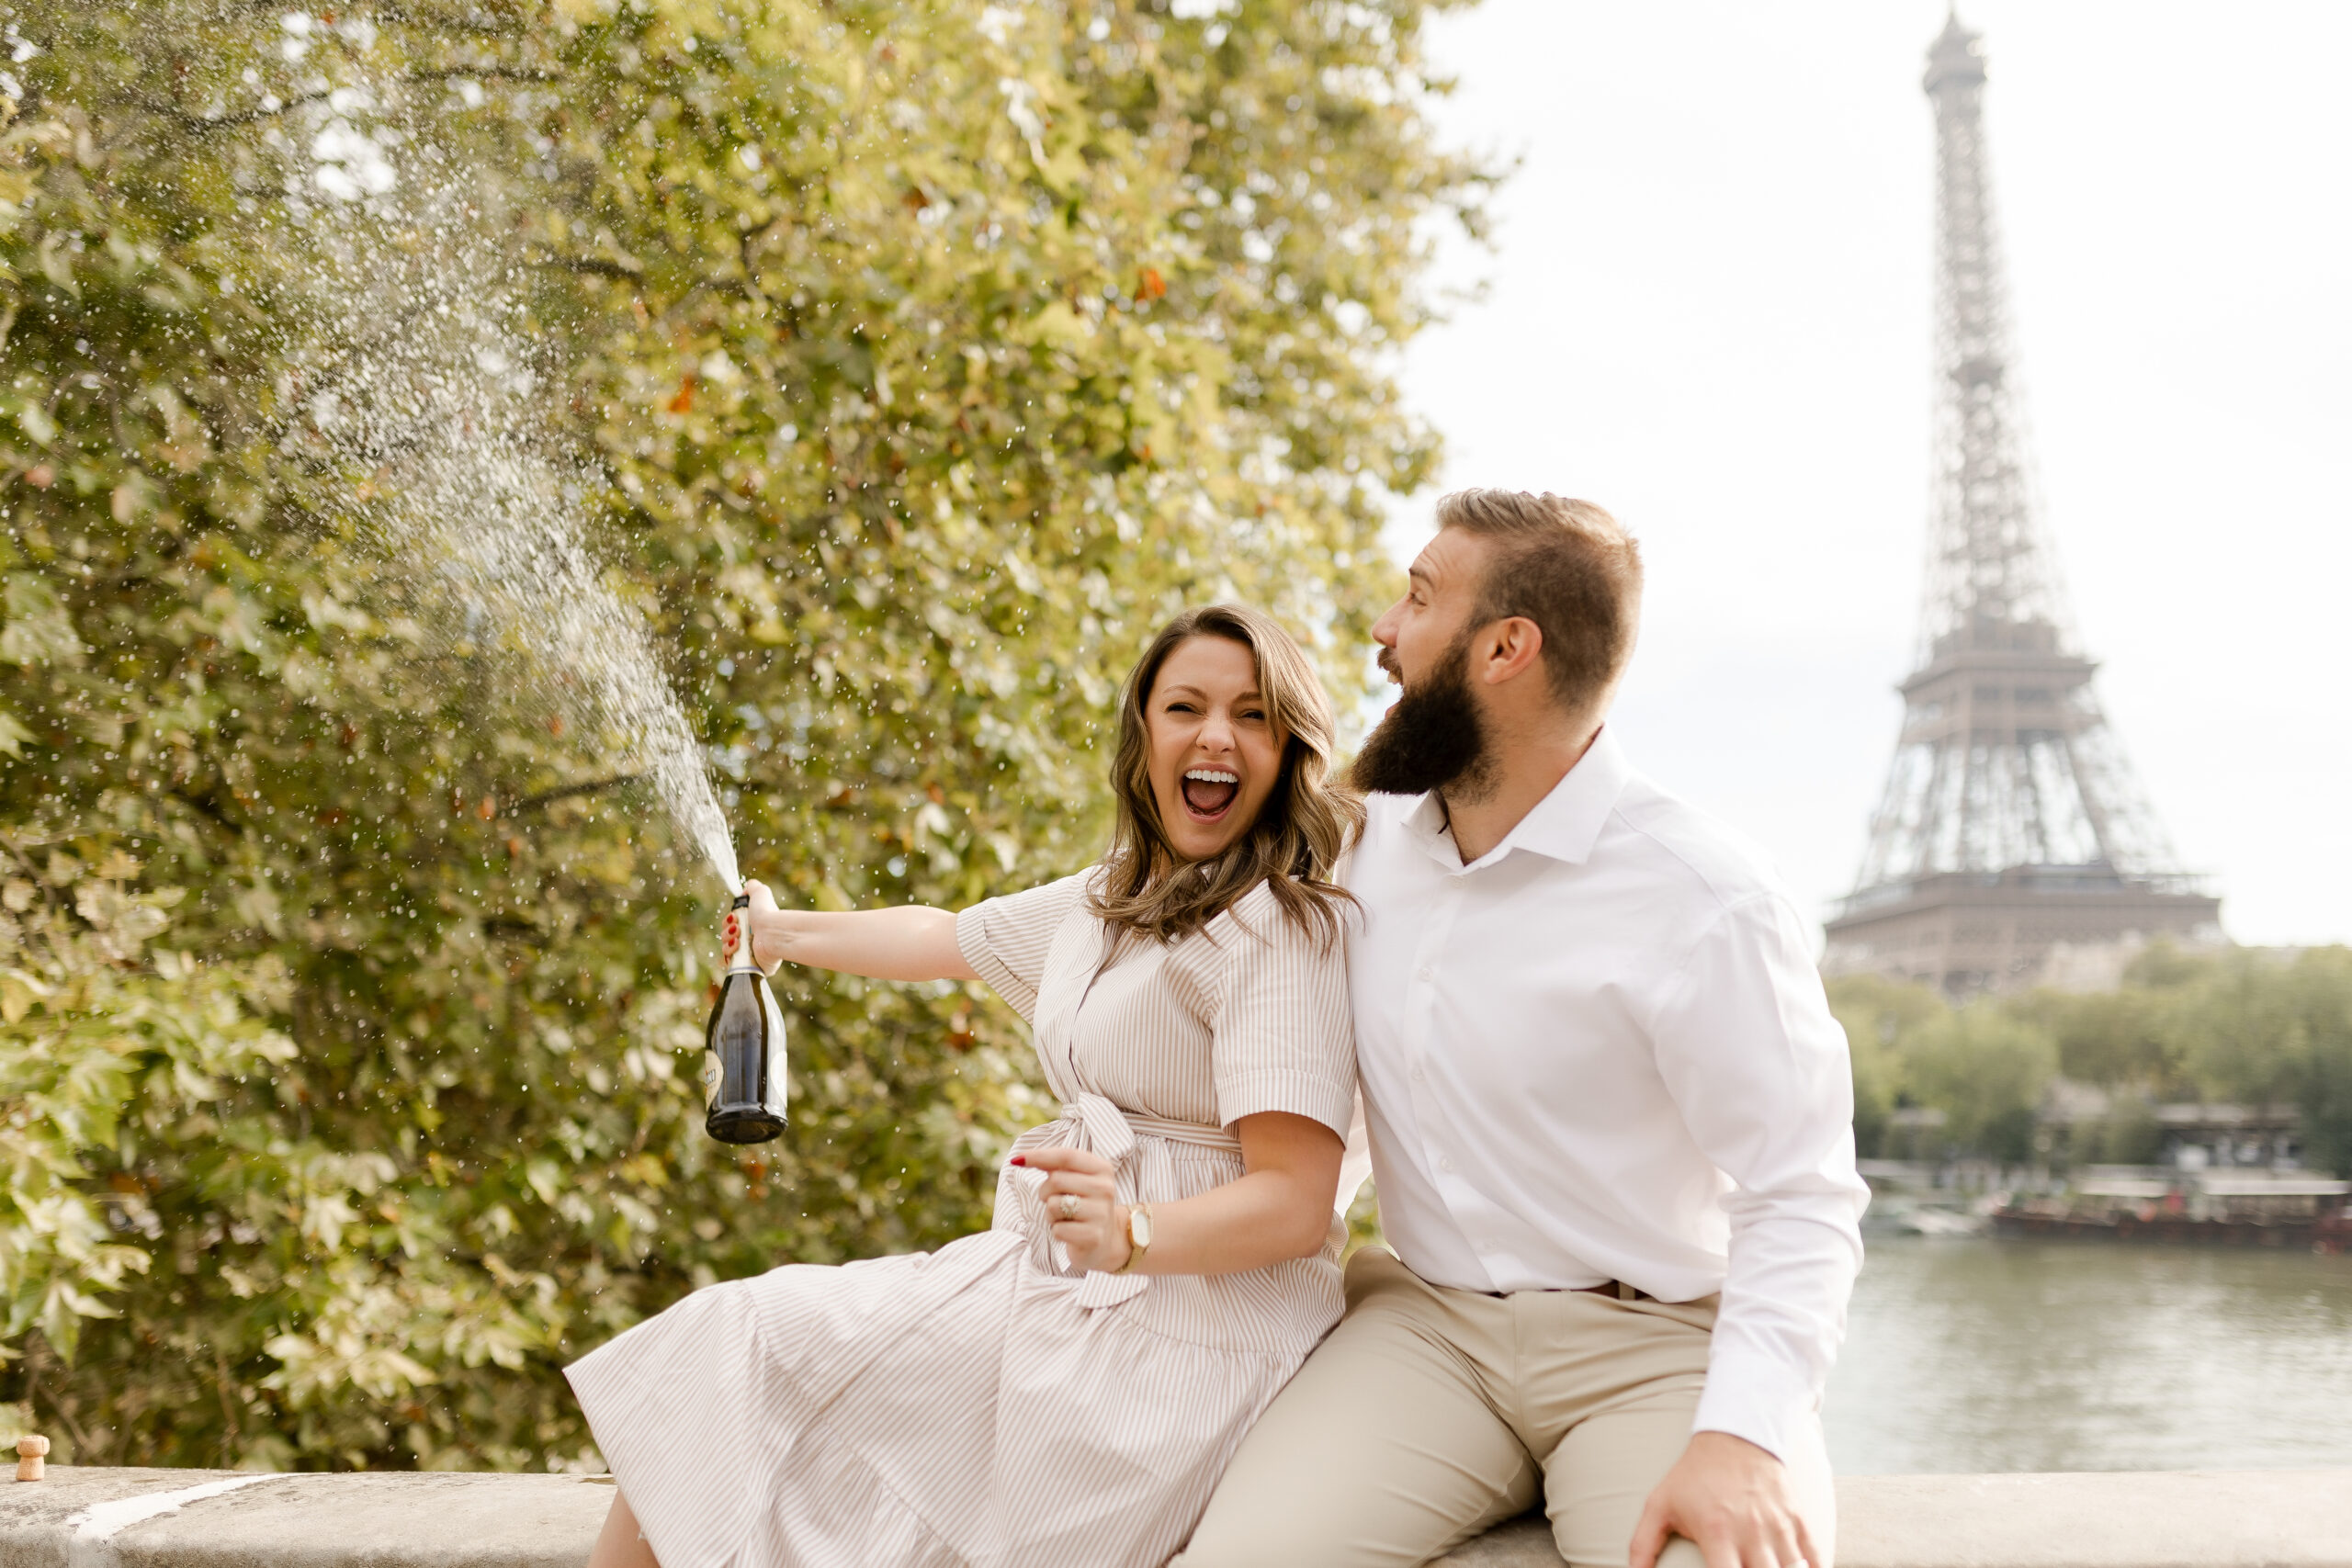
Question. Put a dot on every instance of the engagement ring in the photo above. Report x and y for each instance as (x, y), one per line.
(1069, 1205)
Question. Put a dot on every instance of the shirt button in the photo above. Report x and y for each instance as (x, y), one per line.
(1424, 974)
(1445, 1165)
(1418, 1074)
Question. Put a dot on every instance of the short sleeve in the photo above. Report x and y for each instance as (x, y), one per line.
(1006, 939)
(1282, 1038)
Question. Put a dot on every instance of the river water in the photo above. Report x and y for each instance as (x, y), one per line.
(1979, 1355)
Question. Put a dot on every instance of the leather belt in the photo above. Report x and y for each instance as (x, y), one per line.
(1617, 1288)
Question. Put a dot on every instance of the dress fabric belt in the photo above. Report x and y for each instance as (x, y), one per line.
(1111, 1132)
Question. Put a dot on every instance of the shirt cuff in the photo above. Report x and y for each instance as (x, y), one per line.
(1302, 1094)
(1761, 1401)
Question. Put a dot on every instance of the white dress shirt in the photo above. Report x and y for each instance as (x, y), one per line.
(1602, 1052)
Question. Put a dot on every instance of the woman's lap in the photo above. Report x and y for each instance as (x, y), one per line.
(953, 1403)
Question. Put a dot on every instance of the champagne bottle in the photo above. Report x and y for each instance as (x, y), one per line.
(742, 1064)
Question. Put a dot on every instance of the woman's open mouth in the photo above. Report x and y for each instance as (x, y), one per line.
(1209, 792)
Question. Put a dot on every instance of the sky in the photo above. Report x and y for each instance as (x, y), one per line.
(1706, 307)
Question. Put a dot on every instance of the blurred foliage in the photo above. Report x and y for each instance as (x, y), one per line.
(920, 355)
(2240, 1025)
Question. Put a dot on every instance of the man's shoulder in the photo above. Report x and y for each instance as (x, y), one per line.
(1387, 821)
(1712, 862)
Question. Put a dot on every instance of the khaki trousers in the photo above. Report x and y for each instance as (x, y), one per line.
(1431, 1414)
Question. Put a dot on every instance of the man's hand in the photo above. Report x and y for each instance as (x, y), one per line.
(1731, 1498)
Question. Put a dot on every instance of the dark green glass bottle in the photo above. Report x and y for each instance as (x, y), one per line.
(742, 1063)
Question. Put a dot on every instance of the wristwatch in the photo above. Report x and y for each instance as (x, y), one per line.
(1138, 1236)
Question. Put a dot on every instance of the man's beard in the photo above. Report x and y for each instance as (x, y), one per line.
(1432, 739)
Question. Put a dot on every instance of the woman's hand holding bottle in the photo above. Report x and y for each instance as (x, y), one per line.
(743, 925)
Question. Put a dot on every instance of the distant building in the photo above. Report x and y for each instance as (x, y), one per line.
(2180, 1137)
(2208, 1137)
(2011, 829)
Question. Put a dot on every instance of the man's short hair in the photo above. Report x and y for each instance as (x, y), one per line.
(1566, 565)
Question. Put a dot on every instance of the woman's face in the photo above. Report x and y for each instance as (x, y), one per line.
(1213, 755)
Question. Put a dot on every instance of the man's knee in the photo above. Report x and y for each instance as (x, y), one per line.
(1215, 1546)
(1292, 1490)
(1231, 1537)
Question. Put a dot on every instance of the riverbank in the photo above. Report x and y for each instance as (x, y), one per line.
(179, 1519)
(2331, 1234)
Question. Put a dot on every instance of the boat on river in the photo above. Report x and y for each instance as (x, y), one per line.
(2213, 1208)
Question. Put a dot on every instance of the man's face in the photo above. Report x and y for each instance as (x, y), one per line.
(1435, 737)
(1442, 593)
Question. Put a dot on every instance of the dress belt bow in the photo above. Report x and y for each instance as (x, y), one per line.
(1100, 1127)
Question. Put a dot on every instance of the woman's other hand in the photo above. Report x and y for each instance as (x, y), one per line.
(1083, 1200)
(762, 906)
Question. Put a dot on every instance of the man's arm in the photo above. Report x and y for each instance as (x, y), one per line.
(1760, 1070)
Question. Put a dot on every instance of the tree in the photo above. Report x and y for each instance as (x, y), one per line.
(2269, 1030)
(901, 365)
(2114, 1037)
(1986, 1072)
(2233, 1024)
(1876, 1014)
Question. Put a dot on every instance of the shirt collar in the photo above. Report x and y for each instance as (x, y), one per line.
(1564, 825)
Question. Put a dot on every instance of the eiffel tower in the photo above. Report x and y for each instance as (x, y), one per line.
(2011, 823)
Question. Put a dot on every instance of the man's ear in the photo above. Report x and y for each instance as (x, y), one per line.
(1508, 648)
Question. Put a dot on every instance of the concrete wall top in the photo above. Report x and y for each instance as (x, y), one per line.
(196, 1519)
(2274, 1519)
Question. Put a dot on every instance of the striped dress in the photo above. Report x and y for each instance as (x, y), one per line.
(983, 1405)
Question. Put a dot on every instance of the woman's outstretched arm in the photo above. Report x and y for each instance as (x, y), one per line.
(909, 942)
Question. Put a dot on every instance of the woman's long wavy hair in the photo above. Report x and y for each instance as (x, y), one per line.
(1307, 819)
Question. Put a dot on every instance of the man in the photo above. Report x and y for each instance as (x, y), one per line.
(1609, 1112)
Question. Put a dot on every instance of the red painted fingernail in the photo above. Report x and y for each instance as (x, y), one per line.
(1020, 1159)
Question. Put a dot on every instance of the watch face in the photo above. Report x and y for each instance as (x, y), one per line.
(1139, 1227)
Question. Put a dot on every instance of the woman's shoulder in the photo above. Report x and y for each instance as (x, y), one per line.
(1032, 912)
(1262, 917)
(1063, 890)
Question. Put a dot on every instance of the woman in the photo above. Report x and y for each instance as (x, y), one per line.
(1065, 1387)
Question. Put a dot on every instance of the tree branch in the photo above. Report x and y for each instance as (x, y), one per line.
(593, 786)
(196, 123)
(633, 271)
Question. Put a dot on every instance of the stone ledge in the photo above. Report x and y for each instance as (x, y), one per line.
(2245, 1518)
(86, 1517)
(210, 1519)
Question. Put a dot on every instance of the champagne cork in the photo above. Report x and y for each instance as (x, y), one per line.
(29, 1450)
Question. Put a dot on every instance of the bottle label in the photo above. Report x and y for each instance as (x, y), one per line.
(710, 1077)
